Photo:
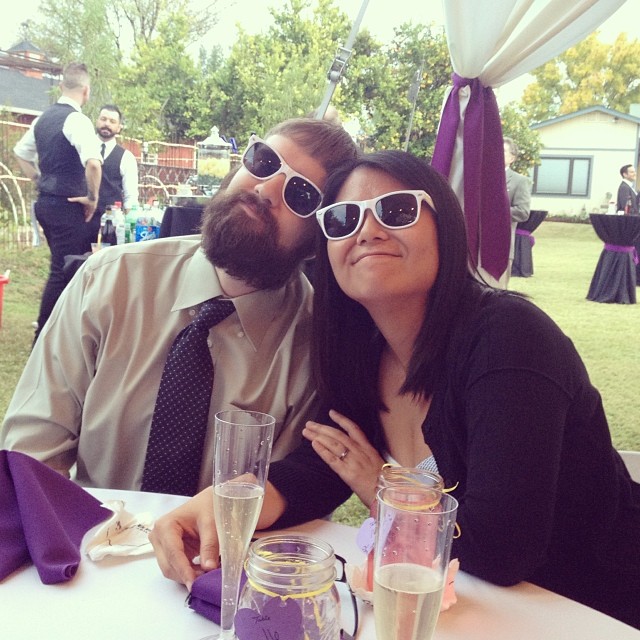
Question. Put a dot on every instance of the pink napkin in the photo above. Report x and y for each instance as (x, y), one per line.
(43, 517)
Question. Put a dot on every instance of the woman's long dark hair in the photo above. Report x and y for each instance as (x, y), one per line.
(347, 345)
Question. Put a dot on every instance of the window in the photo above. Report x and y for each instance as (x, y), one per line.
(562, 176)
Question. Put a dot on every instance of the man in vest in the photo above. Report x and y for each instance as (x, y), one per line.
(119, 166)
(60, 151)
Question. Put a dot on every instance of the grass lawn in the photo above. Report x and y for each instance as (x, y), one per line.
(564, 256)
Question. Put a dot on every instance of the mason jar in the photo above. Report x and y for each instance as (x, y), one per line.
(391, 475)
(291, 589)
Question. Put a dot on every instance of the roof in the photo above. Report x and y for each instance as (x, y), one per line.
(576, 114)
(26, 45)
(25, 93)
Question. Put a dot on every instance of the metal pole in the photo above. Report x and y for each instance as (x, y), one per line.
(414, 90)
(340, 62)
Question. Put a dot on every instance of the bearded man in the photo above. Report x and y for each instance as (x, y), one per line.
(85, 402)
(119, 167)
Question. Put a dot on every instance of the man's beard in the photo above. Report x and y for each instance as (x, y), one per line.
(106, 134)
(246, 247)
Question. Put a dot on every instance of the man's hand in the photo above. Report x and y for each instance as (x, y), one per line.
(184, 533)
(89, 204)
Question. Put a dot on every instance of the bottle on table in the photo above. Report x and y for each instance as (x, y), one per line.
(109, 232)
(628, 207)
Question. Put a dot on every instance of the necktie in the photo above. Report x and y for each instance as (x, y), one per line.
(103, 146)
(179, 424)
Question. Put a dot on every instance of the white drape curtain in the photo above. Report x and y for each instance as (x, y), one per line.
(498, 40)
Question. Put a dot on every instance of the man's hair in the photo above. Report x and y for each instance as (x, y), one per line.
(346, 344)
(325, 141)
(624, 168)
(75, 76)
(112, 107)
(513, 147)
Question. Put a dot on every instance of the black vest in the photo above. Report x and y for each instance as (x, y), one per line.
(61, 171)
(111, 183)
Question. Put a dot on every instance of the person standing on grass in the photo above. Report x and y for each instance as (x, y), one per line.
(627, 191)
(119, 169)
(60, 151)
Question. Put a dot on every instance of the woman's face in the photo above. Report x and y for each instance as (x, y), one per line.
(380, 265)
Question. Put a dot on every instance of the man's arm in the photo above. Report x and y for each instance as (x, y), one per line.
(26, 154)
(28, 168)
(93, 176)
(129, 173)
(521, 199)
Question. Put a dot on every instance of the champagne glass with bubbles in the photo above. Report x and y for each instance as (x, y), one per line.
(243, 441)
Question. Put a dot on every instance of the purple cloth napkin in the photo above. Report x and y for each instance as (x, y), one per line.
(206, 594)
(43, 517)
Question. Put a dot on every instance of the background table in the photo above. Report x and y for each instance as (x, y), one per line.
(523, 258)
(129, 598)
(614, 279)
(181, 221)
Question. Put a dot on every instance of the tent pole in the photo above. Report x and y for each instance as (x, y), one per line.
(340, 62)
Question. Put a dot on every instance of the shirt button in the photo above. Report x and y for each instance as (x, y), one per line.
(240, 334)
(192, 312)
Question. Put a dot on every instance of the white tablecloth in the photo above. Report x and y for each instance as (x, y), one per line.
(129, 598)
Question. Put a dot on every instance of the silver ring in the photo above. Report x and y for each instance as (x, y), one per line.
(343, 455)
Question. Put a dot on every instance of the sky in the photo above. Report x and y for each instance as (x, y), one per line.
(380, 17)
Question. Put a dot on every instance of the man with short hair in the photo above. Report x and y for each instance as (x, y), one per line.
(61, 153)
(519, 190)
(119, 167)
(627, 191)
(85, 402)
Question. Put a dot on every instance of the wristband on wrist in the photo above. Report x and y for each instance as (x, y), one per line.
(91, 198)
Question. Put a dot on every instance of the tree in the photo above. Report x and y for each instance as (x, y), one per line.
(156, 89)
(279, 74)
(591, 73)
(72, 31)
(379, 80)
(515, 125)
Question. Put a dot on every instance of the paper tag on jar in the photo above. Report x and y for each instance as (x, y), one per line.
(278, 620)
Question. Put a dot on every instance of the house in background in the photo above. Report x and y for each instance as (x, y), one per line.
(27, 78)
(581, 158)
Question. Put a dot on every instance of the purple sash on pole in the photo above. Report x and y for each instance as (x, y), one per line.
(619, 248)
(486, 202)
(524, 232)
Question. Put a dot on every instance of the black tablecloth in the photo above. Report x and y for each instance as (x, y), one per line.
(522, 259)
(181, 221)
(615, 276)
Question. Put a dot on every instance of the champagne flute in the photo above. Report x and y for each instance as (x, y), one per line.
(413, 541)
(243, 441)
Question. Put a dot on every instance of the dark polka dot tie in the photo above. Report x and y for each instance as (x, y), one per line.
(179, 425)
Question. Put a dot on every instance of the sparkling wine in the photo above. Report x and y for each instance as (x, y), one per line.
(237, 507)
(407, 600)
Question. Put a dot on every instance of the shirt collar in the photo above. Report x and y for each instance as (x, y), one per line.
(70, 101)
(255, 310)
(108, 145)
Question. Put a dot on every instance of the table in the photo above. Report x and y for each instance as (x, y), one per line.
(181, 221)
(522, 259)
(614, 279)
(129, 598)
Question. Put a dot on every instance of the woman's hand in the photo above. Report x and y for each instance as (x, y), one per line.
(184, 533)
(348, 453)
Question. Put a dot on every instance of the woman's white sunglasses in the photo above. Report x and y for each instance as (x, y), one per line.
(395, 210)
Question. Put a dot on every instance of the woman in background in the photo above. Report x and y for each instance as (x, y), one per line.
(421, 364)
